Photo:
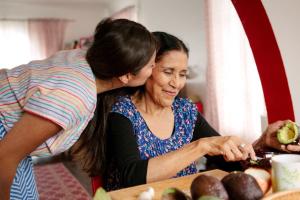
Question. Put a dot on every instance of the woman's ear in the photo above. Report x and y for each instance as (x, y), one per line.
(125, 78)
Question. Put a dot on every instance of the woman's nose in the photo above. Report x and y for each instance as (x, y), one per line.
(174, 82)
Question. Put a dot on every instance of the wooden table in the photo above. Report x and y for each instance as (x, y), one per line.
(182, 183)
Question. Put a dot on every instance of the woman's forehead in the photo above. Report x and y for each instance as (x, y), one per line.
(173, 60)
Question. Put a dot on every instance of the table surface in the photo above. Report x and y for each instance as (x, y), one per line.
(182, 183)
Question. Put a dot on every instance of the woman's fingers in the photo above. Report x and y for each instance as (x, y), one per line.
(272, 128)
(293, 148)
(248, 150)
(231, 147)
(278, 124)
(241, 151)
(252, 153)
(232, 151)
(228, 154)
(238, 153)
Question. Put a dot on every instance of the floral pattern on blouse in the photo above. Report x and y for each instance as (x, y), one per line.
(149, 145)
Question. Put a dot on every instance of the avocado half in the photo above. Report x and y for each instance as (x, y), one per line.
(288, 133)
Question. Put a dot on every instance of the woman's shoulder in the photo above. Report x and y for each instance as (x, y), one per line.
(184, 103)
(123, 105)
(185, 108)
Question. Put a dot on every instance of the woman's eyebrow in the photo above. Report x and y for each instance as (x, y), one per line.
(164, 67)
(172, 68)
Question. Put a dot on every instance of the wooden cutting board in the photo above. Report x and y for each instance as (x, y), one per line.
(182, 183)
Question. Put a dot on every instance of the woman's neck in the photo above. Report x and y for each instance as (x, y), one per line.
(106, 85)
(146, 104)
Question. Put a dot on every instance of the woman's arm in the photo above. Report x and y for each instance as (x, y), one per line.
(203, 129)
(168, 165)
(133, 169)
(25, 136)
(124, 148)
(165, 166)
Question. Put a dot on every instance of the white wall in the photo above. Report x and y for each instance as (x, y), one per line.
(178, 17)
(284, 17)
(184, 19)
(181, 18)
(84, 16)
(116, 5)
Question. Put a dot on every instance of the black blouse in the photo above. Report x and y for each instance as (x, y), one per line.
(124, 149)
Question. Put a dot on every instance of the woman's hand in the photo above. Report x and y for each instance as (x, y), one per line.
(231, 147)
(269, 138)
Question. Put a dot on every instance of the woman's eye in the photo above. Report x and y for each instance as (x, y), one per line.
(182, 75)
(167, 72)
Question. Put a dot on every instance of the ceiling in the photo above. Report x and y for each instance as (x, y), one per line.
(113, 5)
(56, 1)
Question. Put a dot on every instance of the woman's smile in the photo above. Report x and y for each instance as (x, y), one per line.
(170, 93)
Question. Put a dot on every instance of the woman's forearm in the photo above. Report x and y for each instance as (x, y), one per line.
(7, 173)
(168, 165)
(25, 136)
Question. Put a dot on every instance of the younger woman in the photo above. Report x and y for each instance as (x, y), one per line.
(45, 105)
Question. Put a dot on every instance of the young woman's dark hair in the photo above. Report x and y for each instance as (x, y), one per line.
(120, 46)
(167, 42)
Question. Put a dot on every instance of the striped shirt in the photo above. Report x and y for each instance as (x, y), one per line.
(61, 89)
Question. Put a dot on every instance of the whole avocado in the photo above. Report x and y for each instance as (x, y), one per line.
(205, 185)
(242, 186)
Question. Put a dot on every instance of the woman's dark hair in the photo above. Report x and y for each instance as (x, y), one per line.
(167, 42)
(119, 47)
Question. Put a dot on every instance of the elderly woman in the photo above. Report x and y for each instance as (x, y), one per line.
(154, 135)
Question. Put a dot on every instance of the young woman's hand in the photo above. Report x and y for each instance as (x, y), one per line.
(269, 138)
(231, 147)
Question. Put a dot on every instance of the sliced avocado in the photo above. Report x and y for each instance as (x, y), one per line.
(288, 133)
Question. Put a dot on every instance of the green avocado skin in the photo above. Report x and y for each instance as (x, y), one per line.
(209, 198)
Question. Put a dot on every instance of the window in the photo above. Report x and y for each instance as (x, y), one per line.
(14, 43)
